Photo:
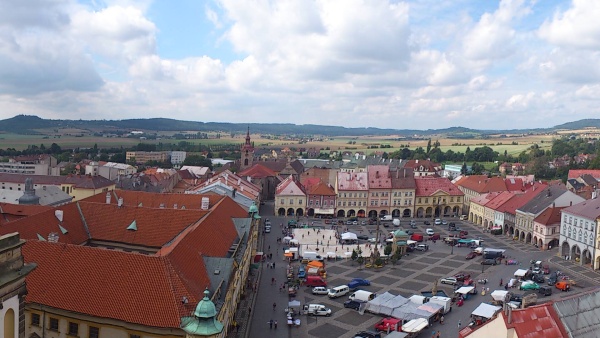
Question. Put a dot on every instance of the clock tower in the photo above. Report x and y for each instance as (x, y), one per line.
(247, 151)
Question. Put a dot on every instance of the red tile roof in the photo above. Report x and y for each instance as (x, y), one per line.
(574, 173)
(482, 184)
(538, 321)
(91, 280)
(321, 189)
(520, 200)
(484, 199)
(428, 186)
(258, 171)
(293, 184)
(549, 216)
(155, 227)
(379, 177)
(352, 181)
(154, 200)
(80, 279)
(499, 199)
(78, 181)
(428, 166)
(12, 212)
(309, 182)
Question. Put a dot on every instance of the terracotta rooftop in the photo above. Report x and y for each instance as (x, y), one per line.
(352, 181)
(574, 173)
(484, 199)
(549, 216)
(321, 189)
(154, 200)
(428, 166)
(520, 200)
(379, 177)
(403, 178)
(537, 321)
(12, 212)
(428, 186)
(290, 186)
(482, 184)
(499, 199)
(259, 170)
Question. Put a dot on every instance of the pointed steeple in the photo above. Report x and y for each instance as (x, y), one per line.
(248, 137)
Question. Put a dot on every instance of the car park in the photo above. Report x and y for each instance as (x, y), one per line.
(444, 222)
(529, 285)
(489, 261)
(363, 223)
(316, 310)
(356, 282)
(449, 280)
(429, 231)
(352, 304)
(365, 237)
(320, 290)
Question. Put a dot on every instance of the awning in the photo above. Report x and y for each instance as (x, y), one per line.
(324, 211)
(288, 254)
(486, 310)
(464, 290)
(499, 295)
(415, 325)
(349, 236)
(520, 273)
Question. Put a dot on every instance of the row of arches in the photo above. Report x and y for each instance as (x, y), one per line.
(574, 252)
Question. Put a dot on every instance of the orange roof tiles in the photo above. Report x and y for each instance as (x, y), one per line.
(154, 200)
(499, 200)
(321, 189)
(379, 177)
(549, 216)
(258, 171)
(520, 200)
(12, 212)
(131, 287)
(537, 321)
(155, 227)
(428, 186)
(482, 184)
(575, 173)
(352, 181)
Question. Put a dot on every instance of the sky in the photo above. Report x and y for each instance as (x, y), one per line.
(415, 64)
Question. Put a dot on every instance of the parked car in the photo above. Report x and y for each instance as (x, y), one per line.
(489, 261)
(529, 285)
(471, 255)
(301, 272)
(449, 280)
(367, 334)
(427, 223)
(538, 278)
(422, 247)
(372, 240)
(356, 282)
(363, 223)
(413, 222)
(362, 237)
(413, 226)
(438, 221)
(429, 231)
(434, 237)
(319, 290)
(348, 222)
(352, 304)
(552, 279)
(464, 232)
(354, 222)
(444, 222)
(409, 232)
(462, 276)
(546, 269)
(545, 290)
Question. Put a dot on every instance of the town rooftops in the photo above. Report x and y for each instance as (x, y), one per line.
(482, 184)
(290, 186)
(589, 209)
(537, 321)
(549, 216)
(322, 189)
(575, 173)
(379, 177)
(543, 199)
(259, 170)
(352, 181)
(403, 178)
(78, 181)
(518, 200)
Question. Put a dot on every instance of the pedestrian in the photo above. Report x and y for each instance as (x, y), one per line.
(272, 280)
(437, 334)
(270, 322)
(275, 305)
(459, 323)
(273, 265)
(237, 327)
(249, 311)
(275, 324)
(442, 320)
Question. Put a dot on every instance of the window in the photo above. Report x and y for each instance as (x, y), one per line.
(300, 202)
(35, 319)
(73, 329)
(53, 324)
(94, 332)
(579, 237)
(569, 232)
(291, 201)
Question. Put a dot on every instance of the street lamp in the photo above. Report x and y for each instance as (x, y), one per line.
(482, 265)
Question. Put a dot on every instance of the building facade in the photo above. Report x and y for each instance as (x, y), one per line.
(290, 198)
(352, 192)
(380, 189)
(403, 193)
(579, 231)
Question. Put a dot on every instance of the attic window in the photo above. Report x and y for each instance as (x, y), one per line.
(217, 272)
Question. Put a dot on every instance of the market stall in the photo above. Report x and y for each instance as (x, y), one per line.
(375, 304)
(520, 273)
(483, 313)
(349, 237)
(388, 307)
(413, 327)
(499, 296)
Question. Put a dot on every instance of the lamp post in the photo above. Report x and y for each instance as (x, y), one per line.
(482, 265)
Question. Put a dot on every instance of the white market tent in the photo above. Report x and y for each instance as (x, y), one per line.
(374, 305)
(463, 290)
(388, 307)
(330, 254)
(415, 325)
(287, 239)
(520, 273)
(431, 308)
(346, 236)
(486, 310)
(293, 241)
(499, 295)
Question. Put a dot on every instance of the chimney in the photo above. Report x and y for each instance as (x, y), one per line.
(205, 203)
(108, 198)
(120, 202)
(509, 319)
(175, 206)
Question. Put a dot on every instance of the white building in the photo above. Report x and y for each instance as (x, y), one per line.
(578, 233)
(177, 158)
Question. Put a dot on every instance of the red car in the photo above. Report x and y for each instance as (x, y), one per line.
(462, 276)
(471, 255)
(468, 282)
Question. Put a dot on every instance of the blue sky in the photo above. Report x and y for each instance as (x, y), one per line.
(415, 64)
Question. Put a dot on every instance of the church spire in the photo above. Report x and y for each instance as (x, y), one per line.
(248, 137)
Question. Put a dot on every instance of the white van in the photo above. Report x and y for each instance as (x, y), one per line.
(362, 295)
(311, 256)
(316, 310)
(338, 291)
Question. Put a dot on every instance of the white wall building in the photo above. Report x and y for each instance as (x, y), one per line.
(578, 232)
(177, 158)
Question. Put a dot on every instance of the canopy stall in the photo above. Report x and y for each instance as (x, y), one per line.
(374, 305)
(486, 310)
(499, 295)
(463, 290)
(415, 325)
(330, 254)
(388, 307)
(520, 273)
(348, 236)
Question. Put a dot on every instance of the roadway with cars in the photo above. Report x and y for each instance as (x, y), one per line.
(412, 274)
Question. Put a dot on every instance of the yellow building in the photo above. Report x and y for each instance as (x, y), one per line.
(437, 197)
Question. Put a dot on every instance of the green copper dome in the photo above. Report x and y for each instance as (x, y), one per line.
(253, 208)
(205, 308)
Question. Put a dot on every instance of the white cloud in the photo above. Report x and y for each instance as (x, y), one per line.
(577, 27)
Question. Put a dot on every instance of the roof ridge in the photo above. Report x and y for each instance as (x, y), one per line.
(85, 225)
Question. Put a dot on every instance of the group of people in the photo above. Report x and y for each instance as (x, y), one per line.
(272, 323)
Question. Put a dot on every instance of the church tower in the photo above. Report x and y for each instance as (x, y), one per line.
(247, 153)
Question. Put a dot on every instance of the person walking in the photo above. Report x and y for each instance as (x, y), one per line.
(442, 320)
(270, 324)
(275, 324)
(275, 305)
(437, 334)
(458, 322)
